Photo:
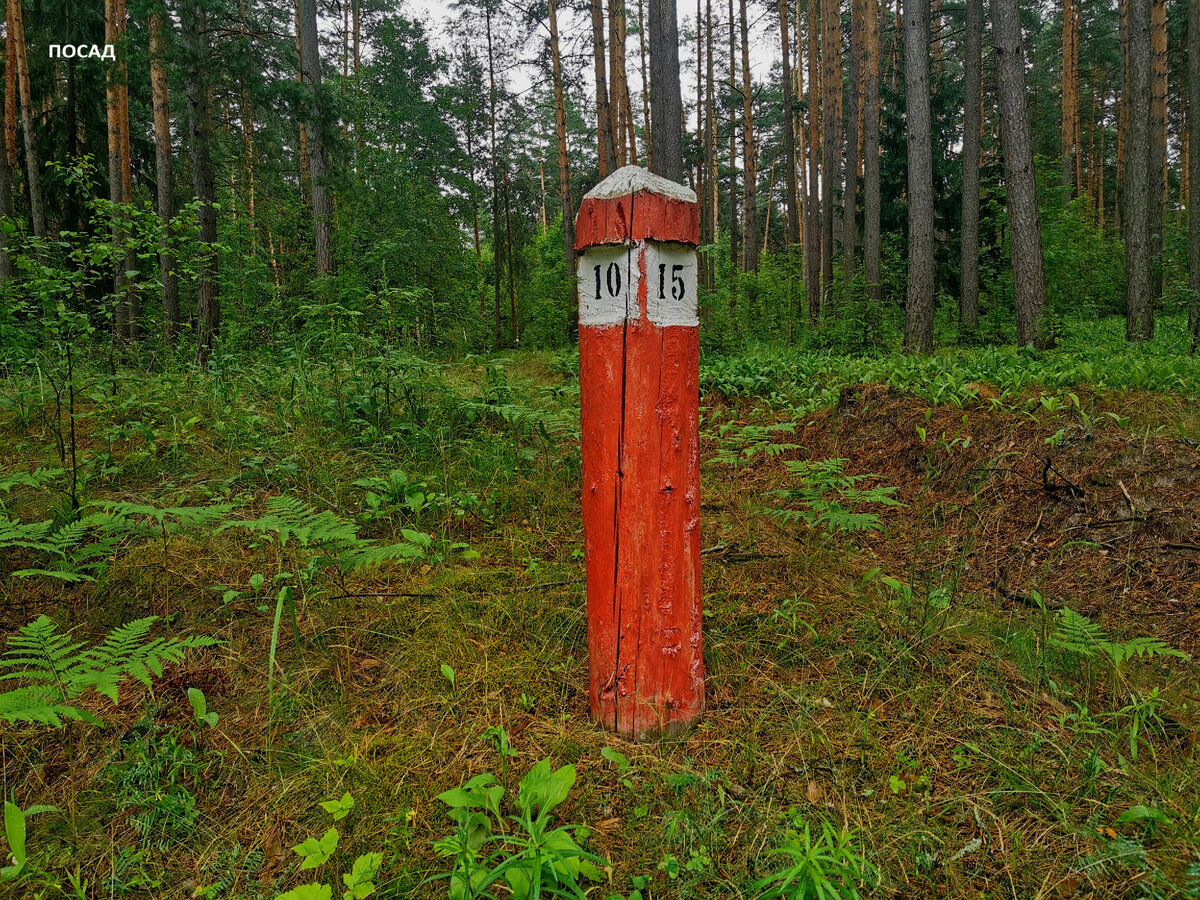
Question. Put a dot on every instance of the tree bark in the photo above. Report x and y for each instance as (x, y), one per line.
(496, 254)
(812, 204)
(831, 89)
(12, 105)
(711, 193)
(1193, 123)
(200, 130)
(33, 178)
(789, 138)
(734, 253)
(607, 159)
(850, 194)
(1158, 140)
(305, 177)
(666, 101)
(972, 138)
(1029, 281)
(164, 175)
(749, 161)
(564, 165)
(6, 198)
(510, 244)
(872, 239)
(626, 133)
(645, 85)
(1139, 182)
(120, 182)
(1070, 95)
(1122, 116)
(318, 155)
(918, 321)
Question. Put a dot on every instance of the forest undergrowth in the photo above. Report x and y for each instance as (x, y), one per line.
(949, 607)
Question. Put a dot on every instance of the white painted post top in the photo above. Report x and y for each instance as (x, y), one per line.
(631, 179)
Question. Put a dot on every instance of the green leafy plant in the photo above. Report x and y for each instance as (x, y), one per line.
(359, 881)
(824, 867)
(55, 671)
(200, 710)
(16, 825)
(828, 498)
(530, 858)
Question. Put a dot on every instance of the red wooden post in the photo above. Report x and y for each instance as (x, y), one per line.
(639, 352)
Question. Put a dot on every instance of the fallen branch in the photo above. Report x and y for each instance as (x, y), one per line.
(1026, 599)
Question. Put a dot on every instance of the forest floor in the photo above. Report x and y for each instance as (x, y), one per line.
(925, 681)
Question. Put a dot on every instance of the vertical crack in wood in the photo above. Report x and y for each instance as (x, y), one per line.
(618, 605)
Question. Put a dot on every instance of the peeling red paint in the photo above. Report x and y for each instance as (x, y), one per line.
(641, 487)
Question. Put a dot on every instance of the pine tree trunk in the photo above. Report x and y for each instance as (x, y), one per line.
(604, 130)
(1070, 94)
(831, 90)
(130, 298)
(850, 194)
(33, 178)
(1138, 189)
(495, 163)
(119, 182)
(511, 266)
(872, 239)
(164, 175)
(200, 130)
(665, 96)
(302, 154)
(645, 85)
(564, 165)
(812, 207)
(6, 199)
(972, 138)
(318, 156)
(1158, 139)
(918, 322)
(1029, 282)
(710, 153)
(1193, 124)
(12, 105)
(789, 138)
(734, 253)
(1122, 116)
(616, 73)
(749, 161)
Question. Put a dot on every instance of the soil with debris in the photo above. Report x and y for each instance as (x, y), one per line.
(1104, 519)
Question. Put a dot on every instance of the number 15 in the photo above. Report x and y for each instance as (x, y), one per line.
(678, 289)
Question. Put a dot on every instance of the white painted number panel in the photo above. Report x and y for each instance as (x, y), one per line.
(671, 284)
(609, 278)
(608, 285)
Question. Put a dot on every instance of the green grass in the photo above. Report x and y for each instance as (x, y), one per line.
(966, 757)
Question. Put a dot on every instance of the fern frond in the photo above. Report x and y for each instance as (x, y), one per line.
(31, 535)
(39, 653)
(1078, 635)
(59, 669)
(37, 708)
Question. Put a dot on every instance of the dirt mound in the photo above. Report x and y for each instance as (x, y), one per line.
(1072, 504)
